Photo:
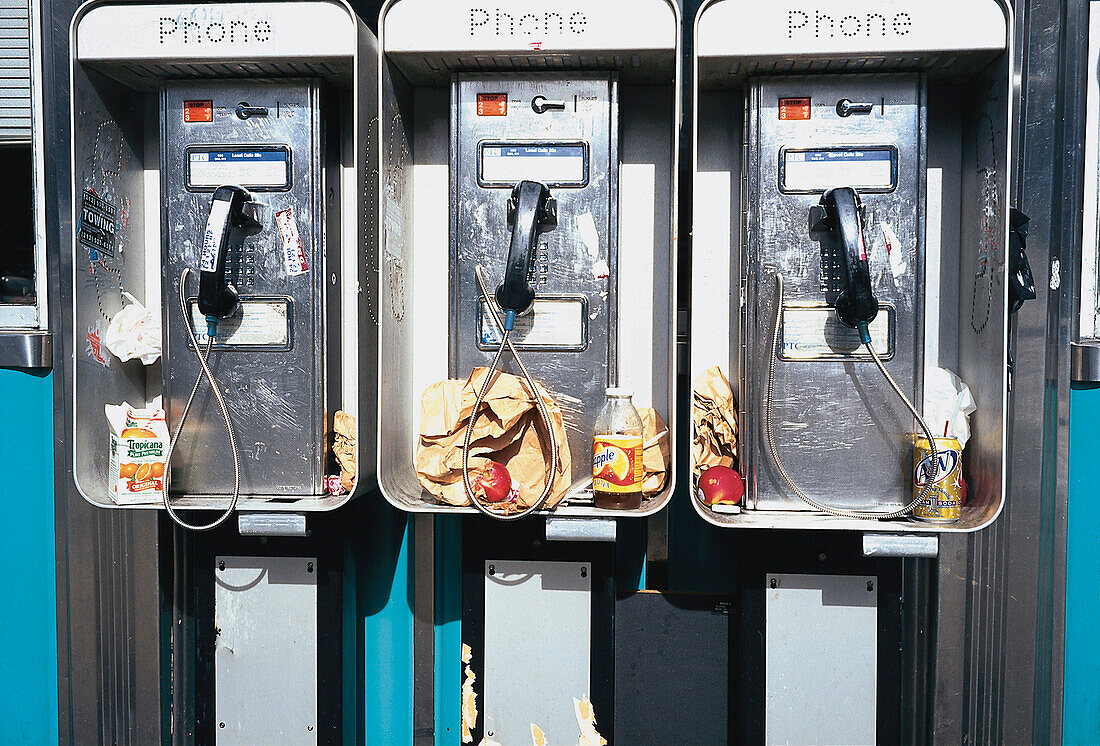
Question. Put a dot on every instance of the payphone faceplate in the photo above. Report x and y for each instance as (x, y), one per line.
(563, 131)
(844, 434)
(270, 355)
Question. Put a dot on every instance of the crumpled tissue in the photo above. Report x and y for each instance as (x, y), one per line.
(948, 404)
(134, 332)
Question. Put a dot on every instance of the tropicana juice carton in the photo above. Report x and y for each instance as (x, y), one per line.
(139, 442)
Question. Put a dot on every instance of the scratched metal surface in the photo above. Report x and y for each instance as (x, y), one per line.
(107, 160)
(277, 398)
(480, 235)
(830, 412)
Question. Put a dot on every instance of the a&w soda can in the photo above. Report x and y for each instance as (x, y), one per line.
(943, 504)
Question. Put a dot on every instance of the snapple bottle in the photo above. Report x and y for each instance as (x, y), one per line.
(617, 454)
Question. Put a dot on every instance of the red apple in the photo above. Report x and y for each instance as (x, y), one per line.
(494, 483)
(721, 485)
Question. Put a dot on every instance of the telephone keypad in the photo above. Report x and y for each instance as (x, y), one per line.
(543, 263)
(831, 269)
(242, 267)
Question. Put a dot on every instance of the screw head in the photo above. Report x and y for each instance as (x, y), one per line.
(221, 725)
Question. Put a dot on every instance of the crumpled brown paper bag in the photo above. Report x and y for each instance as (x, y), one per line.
(714, 421)
(509, 429)
(343, 447)
(655, 452)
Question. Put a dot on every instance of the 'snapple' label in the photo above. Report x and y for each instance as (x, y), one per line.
(617, 464)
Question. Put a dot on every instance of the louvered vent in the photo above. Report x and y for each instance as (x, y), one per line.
(15, 71)
(843, 65)
(158, 71)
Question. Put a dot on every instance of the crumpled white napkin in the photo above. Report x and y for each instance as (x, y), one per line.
(948, 402)
(134, 332)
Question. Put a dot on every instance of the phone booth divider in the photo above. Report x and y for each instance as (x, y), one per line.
(558, 79)
(769, 76)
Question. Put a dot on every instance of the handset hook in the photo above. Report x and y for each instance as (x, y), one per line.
(233, 217)
(842, 213)
(531, 212)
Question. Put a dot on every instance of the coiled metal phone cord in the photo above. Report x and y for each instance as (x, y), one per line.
(204, 372)
(506, 341)
(770, 430)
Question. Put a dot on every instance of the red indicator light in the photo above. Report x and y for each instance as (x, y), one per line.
(795, 109)
(492, 104)
(198, 111)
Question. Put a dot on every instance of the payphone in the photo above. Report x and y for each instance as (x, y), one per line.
(851, 171)
(220, 177)
(541, 153)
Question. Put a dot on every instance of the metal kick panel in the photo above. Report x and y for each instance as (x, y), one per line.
(562, 130)
(265, 655)
(821, 660)
(843, 433)
(538, 648)
(270, 359)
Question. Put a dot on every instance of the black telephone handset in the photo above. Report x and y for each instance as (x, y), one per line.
(856, 306)
(531, 212)
(233, 217)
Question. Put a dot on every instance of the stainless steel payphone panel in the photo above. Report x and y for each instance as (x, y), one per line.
(561, 130)
(263, 135)
(843, 434)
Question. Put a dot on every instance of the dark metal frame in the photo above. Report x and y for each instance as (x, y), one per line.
(108, 563)
(1000, 596)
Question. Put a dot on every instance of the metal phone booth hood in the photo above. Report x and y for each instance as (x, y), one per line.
(909, 106)
(473, 103)
(169, 101)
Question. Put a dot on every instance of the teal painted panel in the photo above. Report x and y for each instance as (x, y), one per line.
(28, 603)
(448, 630)
(378, 637)
(1081, 698)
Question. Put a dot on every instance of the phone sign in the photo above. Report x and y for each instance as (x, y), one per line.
(492, 104)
